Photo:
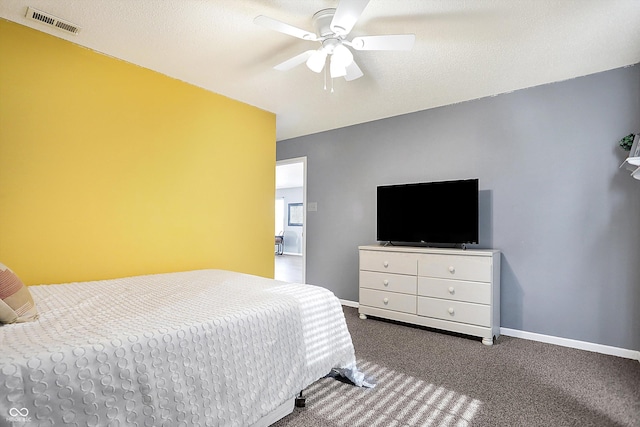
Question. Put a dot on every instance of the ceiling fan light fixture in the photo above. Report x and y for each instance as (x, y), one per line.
(317, 60)
(337, 68)
(343, 55)
(332, 26)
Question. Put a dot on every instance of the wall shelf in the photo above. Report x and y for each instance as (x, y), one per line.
(632, 164)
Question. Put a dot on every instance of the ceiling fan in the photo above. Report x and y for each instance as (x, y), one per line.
(332, 26)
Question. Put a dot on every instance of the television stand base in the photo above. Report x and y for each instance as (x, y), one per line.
(450, 289)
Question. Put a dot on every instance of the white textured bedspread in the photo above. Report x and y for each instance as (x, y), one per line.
(199, 348)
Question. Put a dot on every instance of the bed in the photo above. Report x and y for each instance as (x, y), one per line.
(196, 348)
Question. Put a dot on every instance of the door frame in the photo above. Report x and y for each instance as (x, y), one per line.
(302, 160)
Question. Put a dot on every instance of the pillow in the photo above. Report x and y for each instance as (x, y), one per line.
(16, 303)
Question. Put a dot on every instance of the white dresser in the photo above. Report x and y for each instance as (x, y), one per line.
(451, 289)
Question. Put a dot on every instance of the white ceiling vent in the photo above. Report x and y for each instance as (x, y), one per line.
(46, 18)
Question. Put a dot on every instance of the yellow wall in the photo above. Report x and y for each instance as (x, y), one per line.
(108, 169)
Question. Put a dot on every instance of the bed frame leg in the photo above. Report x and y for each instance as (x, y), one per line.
(300, 401)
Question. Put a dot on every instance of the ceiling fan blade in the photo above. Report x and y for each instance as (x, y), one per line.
(346, 15)
(295, 61)
(353, 72)
(274, 24)
(388, 42)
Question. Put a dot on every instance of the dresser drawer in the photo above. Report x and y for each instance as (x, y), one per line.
(388, 300)
(389, 282)
(459, 267)
(464, 312)
(458, 290)
(389, 262)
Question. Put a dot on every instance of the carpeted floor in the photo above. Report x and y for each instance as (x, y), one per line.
(429, 378)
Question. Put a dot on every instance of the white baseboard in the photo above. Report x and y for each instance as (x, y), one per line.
(564, 342)
(349, 303)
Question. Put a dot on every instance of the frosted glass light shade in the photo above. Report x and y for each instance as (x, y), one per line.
(343, 55)
(337, 68)
(316, 61)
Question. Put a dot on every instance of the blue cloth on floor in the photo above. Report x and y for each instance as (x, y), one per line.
(354, 376)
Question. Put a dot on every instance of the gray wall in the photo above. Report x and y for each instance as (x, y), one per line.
(553, 200)
(292, 234)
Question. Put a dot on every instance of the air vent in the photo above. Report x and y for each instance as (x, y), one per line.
(52, 21)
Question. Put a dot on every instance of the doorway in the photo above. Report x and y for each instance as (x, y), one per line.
(291, 220)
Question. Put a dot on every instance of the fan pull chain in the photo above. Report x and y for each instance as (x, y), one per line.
(325, 78)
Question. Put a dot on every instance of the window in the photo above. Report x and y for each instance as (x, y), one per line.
(295, 214)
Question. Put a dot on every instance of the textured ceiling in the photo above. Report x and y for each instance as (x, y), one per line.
(464, 49)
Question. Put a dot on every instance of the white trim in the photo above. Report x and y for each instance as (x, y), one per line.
(566, 342)
(349, 303)
(302, 160)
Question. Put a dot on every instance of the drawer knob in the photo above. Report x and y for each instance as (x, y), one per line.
(451, 290)
(386, 300)
(386, 264)
(452, 269)
(385, 282)
(450, 310)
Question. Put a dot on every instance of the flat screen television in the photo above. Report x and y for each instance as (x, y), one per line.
(443, 213)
